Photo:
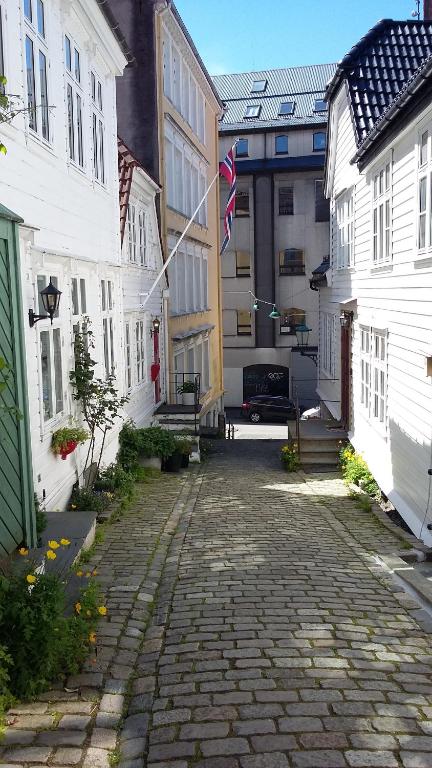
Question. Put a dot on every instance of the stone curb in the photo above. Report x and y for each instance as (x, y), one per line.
(407, 573)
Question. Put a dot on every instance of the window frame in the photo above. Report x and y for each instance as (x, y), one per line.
(107, 304)
(291, 266)
(424, 174)
(328, 345)
(242, 270)
(373, 355)
(54, 330)
(286, 325)
(382, 214)
(241, 326)
(283, 111)
(322, 201)
(278, 137)
(322, 109)
(345, 229)
(75, 116)
(242, 142)
(283, 210)
(98, 129)
(252, 111)
(258, 83)
(314, 141)
(38, 114)
(239, 212)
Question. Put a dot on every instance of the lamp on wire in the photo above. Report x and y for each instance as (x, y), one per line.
(274, 314)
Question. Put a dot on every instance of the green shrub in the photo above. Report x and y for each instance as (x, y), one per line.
(145, 442)
(90, 501)
(355, 470)
(290, 457)
(183, 444)
(115, 479)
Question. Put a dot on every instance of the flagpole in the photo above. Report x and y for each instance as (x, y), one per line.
(182, 236)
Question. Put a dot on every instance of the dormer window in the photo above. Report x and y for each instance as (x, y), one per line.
(252, 111)
(258, 86)
(320, 105)
(287, 108)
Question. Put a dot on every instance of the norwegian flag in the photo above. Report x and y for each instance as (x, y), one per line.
(227, 169)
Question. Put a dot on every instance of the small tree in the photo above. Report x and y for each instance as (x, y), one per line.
(99, 399)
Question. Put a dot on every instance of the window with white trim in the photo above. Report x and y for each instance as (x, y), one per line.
(98, 128)
(36, 61)
(2, 65)
(140, 351)
(107, 303)
(185, 176)
(50, 358)
(373, 375)
(345, 230)
(181, 88)
(424, 205)
(79, 298)
(74, 101)
(188, 276)
(381, 215)
(327, 345)
(128, 356)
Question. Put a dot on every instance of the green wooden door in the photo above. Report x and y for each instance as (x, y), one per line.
(17, 522)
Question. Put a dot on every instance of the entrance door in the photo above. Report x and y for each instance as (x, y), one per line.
(345, 375)
(16, 493)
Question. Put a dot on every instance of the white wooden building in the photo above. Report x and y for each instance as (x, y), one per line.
(375, 348)
(60, 175)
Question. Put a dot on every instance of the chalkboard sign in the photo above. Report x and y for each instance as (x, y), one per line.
(265, 380)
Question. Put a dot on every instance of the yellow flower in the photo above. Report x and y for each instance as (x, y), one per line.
(88, 613)
(92, 637)
(53, 544)
(79, 574)
(64, 542)
(23, 551)
(94, 572)
(88, 574)
(102, 610)
(73, 506)
(78, 607)
(51, 555)
(30, 578)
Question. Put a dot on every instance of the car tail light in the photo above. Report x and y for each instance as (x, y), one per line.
(246, 406)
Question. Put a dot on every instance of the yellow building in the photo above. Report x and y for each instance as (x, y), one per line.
(189, 109)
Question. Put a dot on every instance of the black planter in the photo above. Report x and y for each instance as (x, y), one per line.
(185, 460)
(173, 463)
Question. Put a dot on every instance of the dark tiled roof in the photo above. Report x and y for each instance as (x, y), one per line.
(380, 68)
(299, 84)
(323, 267)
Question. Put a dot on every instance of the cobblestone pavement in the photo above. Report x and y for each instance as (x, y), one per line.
(275, 639)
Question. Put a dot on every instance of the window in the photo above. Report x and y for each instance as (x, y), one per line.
(205, 366)
(185, 176)
(381, 215)
(319, 141)
(74, 102)
(36, 68)
(345, 231)
(131, 228)
(327, 344)
(79, 299)
(188, 279)
(241, 149)
(242, 203)
(258, 86)
(2, 67)
(286, 201)
(424, 223)
(244, 323)
(281, 145)
(291, 262)
(107, 303)
(142, 240)
(97, 129)
(51, 373)
(243, 267)
(252, 110)
(322, 205)
(140, 357)
(320, 105)
(373, 374)
(290, 319)
(287, 108)
(128, 356)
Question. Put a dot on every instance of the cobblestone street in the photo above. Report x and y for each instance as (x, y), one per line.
(249, 627)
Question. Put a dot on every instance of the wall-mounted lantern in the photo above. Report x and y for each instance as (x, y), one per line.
(346, 319)
(155, 326)
(50, 300)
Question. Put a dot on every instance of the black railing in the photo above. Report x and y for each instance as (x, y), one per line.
(186, 388)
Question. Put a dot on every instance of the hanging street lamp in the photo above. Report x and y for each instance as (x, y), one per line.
(50, 300)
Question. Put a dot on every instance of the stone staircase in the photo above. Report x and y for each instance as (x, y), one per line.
(320, 442)
(179, 418)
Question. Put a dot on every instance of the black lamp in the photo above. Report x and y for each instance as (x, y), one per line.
(302, 332)
(155, 326)
(50, 300)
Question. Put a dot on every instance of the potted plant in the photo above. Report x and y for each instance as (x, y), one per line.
(184, 445)
(145, 447)
(188, 391)
(65, 440)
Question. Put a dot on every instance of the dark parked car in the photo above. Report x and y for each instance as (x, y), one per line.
(267, 408)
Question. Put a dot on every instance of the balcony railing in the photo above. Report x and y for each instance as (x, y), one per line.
(189, 381)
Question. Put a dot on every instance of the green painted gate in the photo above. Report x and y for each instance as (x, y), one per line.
(17, 517)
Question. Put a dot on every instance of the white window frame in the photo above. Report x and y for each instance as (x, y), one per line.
(75, 110)
(327, 346)
(374, 376)
(98, 128)
(424, 201)
(344, 220)
(140, 351)
(38, 39)
(79, 288)
(54, 330)
(108, 331)
(129, 368)
(381, 189)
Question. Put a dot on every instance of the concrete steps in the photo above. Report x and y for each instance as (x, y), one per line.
(320, 451)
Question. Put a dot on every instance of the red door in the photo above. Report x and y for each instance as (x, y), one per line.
(156, 358)
(345, 374)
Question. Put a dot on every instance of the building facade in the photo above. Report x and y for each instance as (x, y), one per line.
(375, 349)
(278, 122)
(60, 176)
(178, 145)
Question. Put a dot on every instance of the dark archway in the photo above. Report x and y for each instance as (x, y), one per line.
(265, 380)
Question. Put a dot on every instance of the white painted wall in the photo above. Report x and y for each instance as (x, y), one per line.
(396, 299)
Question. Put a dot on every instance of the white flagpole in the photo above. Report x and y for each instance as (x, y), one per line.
(174, 250)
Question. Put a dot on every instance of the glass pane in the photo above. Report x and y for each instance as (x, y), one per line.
(77, 65)
(105, 344)
(1, 52)
(93, 86)
(40, 18)
(83, 296)
(43, 95)
(75, 307)
(68, 54)
(103, 295)
(110, 294)
(54, 281)
(387, 177)
(242, 148)
(28, 9)
(41, 284)
(79, 130)
(58, 371)
(319, 142)
(281, 144)
(31, 95)
(99, 95)
(286, 201)
(424, 148)
(111, 333)
(95, 148)
(46, 375)
(101, 153)
(71, 132)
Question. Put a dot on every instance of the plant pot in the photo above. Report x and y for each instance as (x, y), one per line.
(67, 448)
(188, 398)
(150, 462)
(173, 463)
(185, 460)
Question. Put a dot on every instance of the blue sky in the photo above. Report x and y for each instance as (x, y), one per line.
(248, 35)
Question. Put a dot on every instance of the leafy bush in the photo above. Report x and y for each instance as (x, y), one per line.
(146, 442)
(183, 444)
(187, 387)
(72, 434)
(289, 457)
(38, 643)
(90, 501)
(356, 471)
(115, 479)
